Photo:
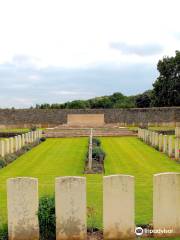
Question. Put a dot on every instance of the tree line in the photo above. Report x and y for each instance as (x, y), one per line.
(165, 92)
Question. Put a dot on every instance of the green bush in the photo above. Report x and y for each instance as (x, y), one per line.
(2, 163)
(26, 148)
(98, 153)
(10, 158)
(42, 139)
(4, 232)
(96, 141)
(33, 128)
(47, 220)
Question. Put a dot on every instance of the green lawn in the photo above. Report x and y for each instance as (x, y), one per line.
(18, 130)
(53, 158)
(14, 130)
(65, 156)
(162, 128)
(128, 155)
(154, 128)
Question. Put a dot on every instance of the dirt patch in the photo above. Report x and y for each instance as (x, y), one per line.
(97, 235)
(97, 166)
(95, 156)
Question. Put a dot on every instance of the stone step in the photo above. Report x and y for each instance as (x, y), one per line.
(86, 133)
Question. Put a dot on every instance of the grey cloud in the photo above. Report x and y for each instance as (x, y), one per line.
(59, 85)
(140, 50)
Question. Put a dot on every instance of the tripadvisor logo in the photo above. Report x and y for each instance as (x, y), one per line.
(139, 231)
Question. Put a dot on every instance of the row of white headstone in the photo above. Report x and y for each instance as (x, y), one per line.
(71, 207)
(163, 143)
(14, 144)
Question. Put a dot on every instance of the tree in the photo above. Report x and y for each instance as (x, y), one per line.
(166, 90)
(77, 104)
(100, 102)
(121, 101)
(144, 100)
(116, 100)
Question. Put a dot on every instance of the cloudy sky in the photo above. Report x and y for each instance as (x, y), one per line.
(60, 50)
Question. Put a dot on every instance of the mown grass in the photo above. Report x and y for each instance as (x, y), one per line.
(53, 158)
(154, 128)
(128, 155)
(63, 157)
(161, 128)
(14, 130)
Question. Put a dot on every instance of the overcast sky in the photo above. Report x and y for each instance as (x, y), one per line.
(60, 50)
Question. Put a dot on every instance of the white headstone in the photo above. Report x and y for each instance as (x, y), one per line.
(165, 141)
(177, 149)
(160, 142)
(22, 198)
(118, 205)
(71, 213)
(16, 145)
(170, 147)
(166, 204)
(7, 147)
(11, 145)
(2, 153)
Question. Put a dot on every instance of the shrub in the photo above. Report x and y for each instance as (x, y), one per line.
(10, 158)
(92, 219)
(33, 128)
(98, 153)
(42, 139)
(96, 141)
(26, 148)
(4, 232)
(2, 163)
(46, 215)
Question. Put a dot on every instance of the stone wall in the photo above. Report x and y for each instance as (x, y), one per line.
(41, 117)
